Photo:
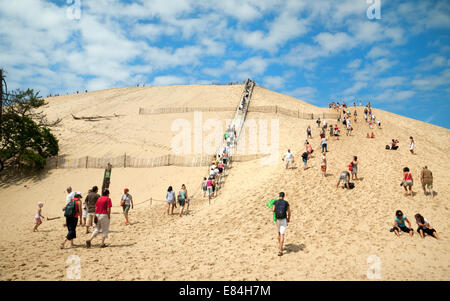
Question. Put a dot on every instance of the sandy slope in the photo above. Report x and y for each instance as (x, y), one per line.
(330, 237)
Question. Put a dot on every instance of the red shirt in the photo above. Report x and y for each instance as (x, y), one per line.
(408, 176)
(102, 205)
(77, 207)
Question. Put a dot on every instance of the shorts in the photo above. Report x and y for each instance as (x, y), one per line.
(90, 219)
(181, 202)
(38, 220)
(408, 183)
(405, 229)
(220, 169)
(427, 231)
(355, 170)
(126, 208)
(324, 168)
(210, 189)
(204, 188)
(343, 178)
(305, 161)
(289, 162)
(427, 184)
(281, 225)
(84, 214)
(103, 225)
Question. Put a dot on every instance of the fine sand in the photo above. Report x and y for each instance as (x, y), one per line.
(332, 233)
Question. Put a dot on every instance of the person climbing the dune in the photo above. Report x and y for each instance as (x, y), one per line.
(282, 212)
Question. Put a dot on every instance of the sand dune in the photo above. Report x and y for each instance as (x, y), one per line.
(332, 232)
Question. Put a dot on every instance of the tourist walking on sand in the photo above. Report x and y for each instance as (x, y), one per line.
(103, 215)
(282, 212)
(399, 224)
(318, 122)
(344, 177)
(308, 132)
(323, 165)
(182, 198)
(91, 201)
(170, 199)
(354, 171)
(426, 178)
(424, 227)
(288, 158)
(70, 195)
(38, 216)
(85, 211)
(72, 211)
(411, 145)
(305, 159)
(204, 187)
(407, 181)
(126, 203)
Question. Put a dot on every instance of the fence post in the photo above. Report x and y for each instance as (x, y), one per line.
(150, 201)
(87, 161)
(298, 113)
(125, 160)
(276, 109)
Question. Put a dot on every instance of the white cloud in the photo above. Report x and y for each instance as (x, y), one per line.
(377, 52)
(304, 93)
(274, 82)
(394, 95)
(355, 88)
(168, 80)
(391, 81)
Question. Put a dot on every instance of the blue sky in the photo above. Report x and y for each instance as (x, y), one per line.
(316, 51)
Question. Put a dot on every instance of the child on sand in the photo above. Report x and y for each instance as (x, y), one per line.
(354, 165)
(38, 216)
(399, 224)
(372, 135)
(305, 159)
(323, 165)
(424, 227)
(407, 181)
(182, 198)
(204, 186)
(170, 199)
(344, 177)
(411, 145)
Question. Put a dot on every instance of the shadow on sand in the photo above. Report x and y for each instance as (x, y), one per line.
(293, 248)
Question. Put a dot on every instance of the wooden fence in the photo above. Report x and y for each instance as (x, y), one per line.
(126, 161)
(259, 109)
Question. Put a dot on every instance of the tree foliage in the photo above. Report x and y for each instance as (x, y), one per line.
(25, 137)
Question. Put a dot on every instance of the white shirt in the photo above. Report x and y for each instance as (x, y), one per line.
(69, 197)
(425, 222)
(288, 156)
(411, 145)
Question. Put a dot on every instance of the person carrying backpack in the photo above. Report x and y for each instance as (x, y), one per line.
(282, 212)
(72, 211)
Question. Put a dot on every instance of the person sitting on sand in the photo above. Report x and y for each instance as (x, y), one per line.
(170, 199)
(407, 181)
(372, 135)
(426, 178)
(424, 227)
(38, 216)
(344, 177)
(323, 165)
(394, 145)
(182, 197)
(399, 224)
